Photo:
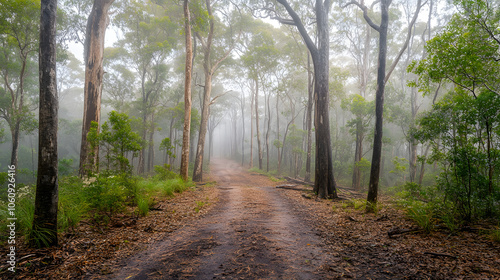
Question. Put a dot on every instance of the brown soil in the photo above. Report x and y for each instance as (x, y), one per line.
(253, 233)
(245, 228)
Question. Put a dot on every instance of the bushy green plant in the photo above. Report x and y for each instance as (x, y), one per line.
(106, 196)
(143, 204)
(495, 235)
(39, 237)
(72, 205)
(117, 138)
(422, 215)
(164, 172)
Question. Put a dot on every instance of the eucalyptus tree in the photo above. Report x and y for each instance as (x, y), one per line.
(382, 77)
(149, 38)
(46, 196)
(325, 185)
(363, 114)
(260, 59)
(187, 93)
(19, 33)
(217, 43)
(97, 23)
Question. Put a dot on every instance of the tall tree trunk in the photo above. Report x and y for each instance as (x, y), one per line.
(356, 174)
(16, 126)
(422, 167)
(94, 48)
(324, 184)
(268, 130)
(278, 132)
(46, 197)
(198, 161)
(242, 129)
(142, 152)
(151, 151)
(379, 106)
(256, 100)
(187, 94)
(251, 130)
(310, 90)
(15, 143)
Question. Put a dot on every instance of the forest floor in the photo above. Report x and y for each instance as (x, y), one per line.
(244, 227)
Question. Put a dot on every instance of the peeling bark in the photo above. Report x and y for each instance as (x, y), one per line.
(94, 48)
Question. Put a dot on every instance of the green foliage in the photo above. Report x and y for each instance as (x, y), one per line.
(364, 167)
(72, 205)
(117, 138)
(65, 167)
(459, 128)
(40, 237)
(495, 235)
(143, 204)
(106, 196)
(164, 172)
(166, 145)
(422, 215)
(399, 169)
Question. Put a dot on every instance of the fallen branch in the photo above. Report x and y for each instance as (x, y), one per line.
(286, 186)
(440, 255)
(351, 219)
(397, 231)
(299, 181)
(293, 187)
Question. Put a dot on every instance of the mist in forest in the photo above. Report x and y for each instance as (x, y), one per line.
(377, 97)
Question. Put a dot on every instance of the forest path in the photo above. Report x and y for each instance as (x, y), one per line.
(254, 232)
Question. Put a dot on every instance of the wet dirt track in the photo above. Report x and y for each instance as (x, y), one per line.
(254, 232)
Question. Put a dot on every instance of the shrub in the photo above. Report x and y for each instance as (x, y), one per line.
(72, 205)
(164, 172)
(106, 196)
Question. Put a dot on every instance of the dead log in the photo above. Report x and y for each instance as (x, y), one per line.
(299, 181)
(286, 186)
(398, 231)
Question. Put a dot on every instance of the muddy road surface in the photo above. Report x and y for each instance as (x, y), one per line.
(254, 232)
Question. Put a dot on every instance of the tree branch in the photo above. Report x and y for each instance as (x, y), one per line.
(365, 14)
(302, 30)
(220, 95)
(405, 45)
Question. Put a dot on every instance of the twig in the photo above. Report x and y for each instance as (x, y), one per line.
(397, 231)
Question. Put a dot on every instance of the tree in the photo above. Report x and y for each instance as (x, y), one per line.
(260, 59)
(363, 112)
(46, 197)
(382, 78)
(324, 184)
(19, 32)
(209, 69)
(187, 93)
(118, 137)
(148, 41)
(94, 48)
(465, 54)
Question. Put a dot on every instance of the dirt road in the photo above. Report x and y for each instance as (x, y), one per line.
(254, 232)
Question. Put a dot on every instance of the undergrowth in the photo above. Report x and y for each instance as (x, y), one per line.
(271, 174)
(97, 200)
